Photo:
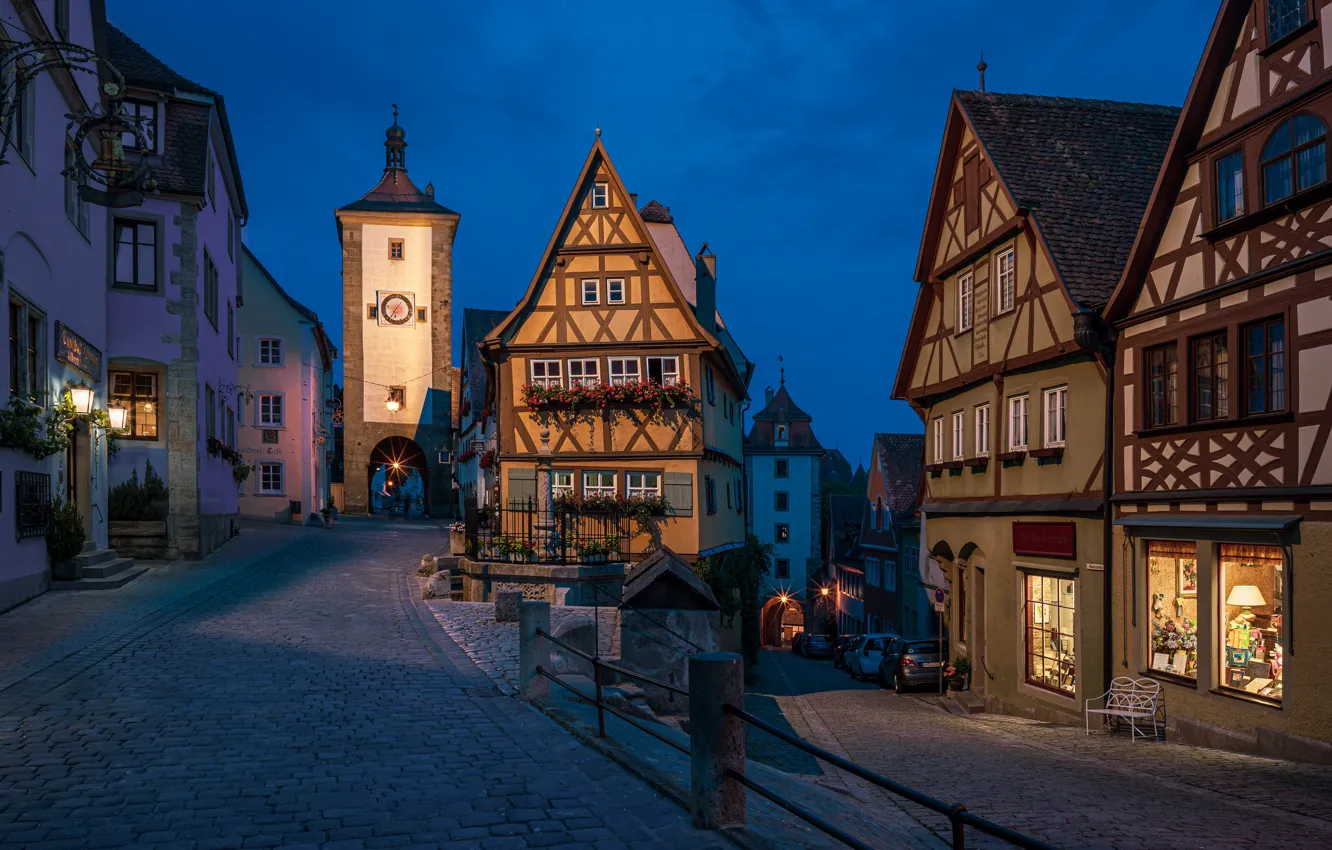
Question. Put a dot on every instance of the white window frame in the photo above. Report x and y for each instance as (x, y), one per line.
(266, 419)
(983, 431)
(1019, 410)
(595, 290)
(625, 374)
(547, 378)
(641, 489)
(938, 439)
(959, 435)
(873, 576)
(668, 378)
(600, 196)
(600, 488)
(1005, 279)
(1055, 419)
(584, 372)
(259, 352)
(889, 577)
(615, 290)
(562, 482)
(966, 306)
(264, 466)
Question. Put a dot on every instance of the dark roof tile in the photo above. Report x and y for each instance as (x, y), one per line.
(901, 462)
(143, 69)
(846, 512)
(654, 212)
(476, 324)
(1085, 168)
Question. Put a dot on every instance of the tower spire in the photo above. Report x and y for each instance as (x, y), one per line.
(783, 370)
(981, 66)
(395, 145)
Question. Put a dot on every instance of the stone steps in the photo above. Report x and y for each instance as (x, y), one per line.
(121, 577)
(107, 568)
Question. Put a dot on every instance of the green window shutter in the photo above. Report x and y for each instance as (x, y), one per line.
(522, 486)
(678, 488)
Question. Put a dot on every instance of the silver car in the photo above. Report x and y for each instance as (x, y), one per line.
(862, 659)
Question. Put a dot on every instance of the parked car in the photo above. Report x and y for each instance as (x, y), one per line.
(817, 646)
(839, 649)
(798, 644)
(910, 664)
(862, 659)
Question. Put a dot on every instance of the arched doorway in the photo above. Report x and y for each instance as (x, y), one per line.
(781, 621)
(399, 478)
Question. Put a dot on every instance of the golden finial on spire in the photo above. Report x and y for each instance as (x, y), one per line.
(598, 130)
(981, 66)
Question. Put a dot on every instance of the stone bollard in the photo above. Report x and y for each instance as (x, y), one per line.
(716, 739)
(533, 651)
(506, 605)
(440, 586)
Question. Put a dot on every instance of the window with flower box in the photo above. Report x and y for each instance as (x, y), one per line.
(641, 485)
(584, 373)
(598, 484)
(664, 370)
(1172, 593)
(562, 482)
(546, 373)
(623, 370)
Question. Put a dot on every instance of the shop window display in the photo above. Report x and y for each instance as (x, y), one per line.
(1172, 587)
(1251, 598)
(1051, 659)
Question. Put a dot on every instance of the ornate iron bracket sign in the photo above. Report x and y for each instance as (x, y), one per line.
(105, 126)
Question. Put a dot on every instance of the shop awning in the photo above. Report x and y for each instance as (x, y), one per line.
(1239, 522)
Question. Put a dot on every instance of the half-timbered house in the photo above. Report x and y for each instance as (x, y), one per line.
(1224, 314)
(618, 306)
(1034, 207)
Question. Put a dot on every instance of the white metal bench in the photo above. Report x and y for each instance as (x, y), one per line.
(1135, 701)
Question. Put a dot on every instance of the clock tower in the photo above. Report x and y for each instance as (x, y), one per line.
(397, 281)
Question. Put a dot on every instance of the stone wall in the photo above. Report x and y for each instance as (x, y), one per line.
(182, 394)
(568, 585)
(658, 643)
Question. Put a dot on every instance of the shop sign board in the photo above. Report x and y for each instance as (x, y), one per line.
(1045, 539)
(77, 352)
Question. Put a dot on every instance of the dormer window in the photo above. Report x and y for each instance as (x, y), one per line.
(146, 112)
(781, 432)
(1284, 17)
(1294, 158)
(600, 196)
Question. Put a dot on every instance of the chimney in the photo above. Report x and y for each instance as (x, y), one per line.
(633, 199)
(430, 190)
(767, 397)
(705, 284)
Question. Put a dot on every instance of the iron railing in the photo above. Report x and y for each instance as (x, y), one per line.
(517, 533)
(32, 502)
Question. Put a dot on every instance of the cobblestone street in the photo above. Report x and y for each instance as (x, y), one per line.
(1050, 781)
(289, 690)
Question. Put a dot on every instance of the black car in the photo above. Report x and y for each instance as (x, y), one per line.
(839, 649)
(910, 664)
(817, 646)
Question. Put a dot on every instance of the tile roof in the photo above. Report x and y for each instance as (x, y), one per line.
(845, 514)
(1085, 168)
(654, 212)
(902, 463)
(397, 193)
(476, 324)
(782, 408)
(143, 69)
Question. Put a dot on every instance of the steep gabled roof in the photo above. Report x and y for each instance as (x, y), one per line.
(1084, 168)
(782, 408)
(595, 157)
(397, 193)
(143, 69)
(1192, 122)
(901, 463)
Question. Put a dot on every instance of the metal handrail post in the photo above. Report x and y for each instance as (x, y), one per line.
(601, 712)
(959, 828)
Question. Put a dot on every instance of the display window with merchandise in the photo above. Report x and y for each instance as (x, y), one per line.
(1172, 592)
(1251, 595)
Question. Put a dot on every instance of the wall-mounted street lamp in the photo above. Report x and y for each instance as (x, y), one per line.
(118, 415)
(82, 396)
(396, 396)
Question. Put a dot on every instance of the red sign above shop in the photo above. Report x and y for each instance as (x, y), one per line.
(1045, 539)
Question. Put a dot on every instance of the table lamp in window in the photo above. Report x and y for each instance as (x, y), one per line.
(1245, 596)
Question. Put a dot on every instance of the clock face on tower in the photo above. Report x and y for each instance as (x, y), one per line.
(396, 308)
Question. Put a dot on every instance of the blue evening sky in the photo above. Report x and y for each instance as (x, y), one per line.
(798, 138)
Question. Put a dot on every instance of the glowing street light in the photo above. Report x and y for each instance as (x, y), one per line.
(118, 416)
(82, 396)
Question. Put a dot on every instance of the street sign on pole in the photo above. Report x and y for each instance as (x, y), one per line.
(939, 606)
(938, 594)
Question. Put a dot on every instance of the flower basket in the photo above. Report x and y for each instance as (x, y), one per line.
(457, 542)
(635, 393)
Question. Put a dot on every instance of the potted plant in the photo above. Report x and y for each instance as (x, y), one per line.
(327, 512)
(65, 540)
(458, 539)
(593, 551)
(958, 674)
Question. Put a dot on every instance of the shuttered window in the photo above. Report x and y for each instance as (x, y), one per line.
(679, 492)
(522, 485)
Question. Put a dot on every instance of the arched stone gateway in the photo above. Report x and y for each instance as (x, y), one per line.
(781, 621)
(398, 477)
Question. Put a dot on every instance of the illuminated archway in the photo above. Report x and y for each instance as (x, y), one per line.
(781, 619)
(399, 479)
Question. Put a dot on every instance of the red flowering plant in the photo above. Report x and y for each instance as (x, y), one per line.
(644, 510)
(467, 455)
(487, 460)
(636, 393)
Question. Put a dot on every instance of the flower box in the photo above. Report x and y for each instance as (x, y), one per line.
(633, 394)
